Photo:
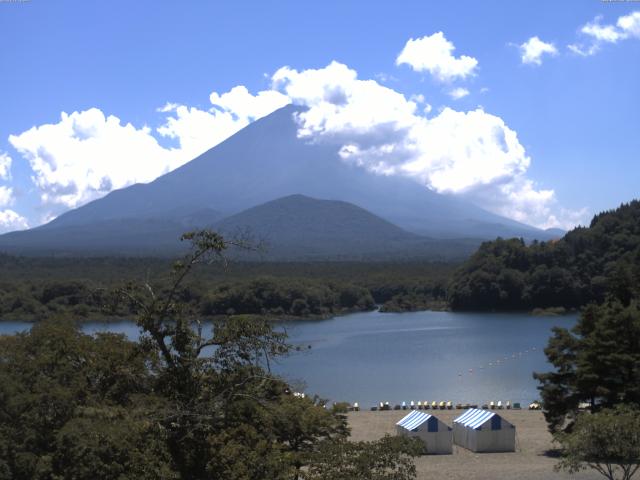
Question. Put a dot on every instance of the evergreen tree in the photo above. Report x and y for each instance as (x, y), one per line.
(598, 362)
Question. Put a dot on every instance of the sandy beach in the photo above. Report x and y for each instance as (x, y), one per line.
(529, 462)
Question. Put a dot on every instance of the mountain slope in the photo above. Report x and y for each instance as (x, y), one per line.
(300, 227)
(119, 236)
(267, 160)
(264, 161)
(290, 228)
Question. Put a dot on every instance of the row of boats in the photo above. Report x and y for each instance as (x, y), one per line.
(443, 405)
(447, 405)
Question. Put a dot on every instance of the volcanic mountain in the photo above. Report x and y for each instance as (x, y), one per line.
(263, 162)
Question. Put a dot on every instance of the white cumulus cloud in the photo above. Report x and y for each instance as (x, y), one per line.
(6, 196)
(605, 33)
(473, 153)
(533, 49)
(458, 152)
(242, 104)
(630, 24)
(88, 154)
(5, 166)
(522, 201)
(341, 105)
(199, 130)
(10, 221)
(434, 54)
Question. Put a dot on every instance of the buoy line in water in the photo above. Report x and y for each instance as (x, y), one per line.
(502, 360)
(448, 405)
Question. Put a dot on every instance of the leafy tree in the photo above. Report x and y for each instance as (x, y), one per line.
(608, 442)
(389, 458)
(226, 415)
(302, 423)
(48, 377)
(287, 297)
(185, 402)
(111, 443)
(213, 400)
(597, 362)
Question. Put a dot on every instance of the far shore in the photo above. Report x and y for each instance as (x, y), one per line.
(532, 460)
(284, 318)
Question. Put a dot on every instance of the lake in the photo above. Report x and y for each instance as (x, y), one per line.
(371, 357)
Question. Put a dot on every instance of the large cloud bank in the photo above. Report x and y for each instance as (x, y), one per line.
(472, 153)
(88, 154)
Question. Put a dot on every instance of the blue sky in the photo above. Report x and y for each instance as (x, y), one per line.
(573, 101)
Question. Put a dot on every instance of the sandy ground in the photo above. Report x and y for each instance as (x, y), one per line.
(529, 462)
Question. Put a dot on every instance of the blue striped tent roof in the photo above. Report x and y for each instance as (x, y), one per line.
(414, 420)
(474, 418)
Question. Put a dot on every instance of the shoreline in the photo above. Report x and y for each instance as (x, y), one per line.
(286, 318)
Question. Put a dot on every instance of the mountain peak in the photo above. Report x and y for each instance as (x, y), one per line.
(299, 227)
(267, 160)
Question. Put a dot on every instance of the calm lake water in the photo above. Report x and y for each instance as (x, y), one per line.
(371, 357)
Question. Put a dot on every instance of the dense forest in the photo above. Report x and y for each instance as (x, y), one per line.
(587, 265)
(82, 288)
(82, 407)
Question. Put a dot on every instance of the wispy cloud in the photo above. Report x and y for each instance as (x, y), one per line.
(597, 34)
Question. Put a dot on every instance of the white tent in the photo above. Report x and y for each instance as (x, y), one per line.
(436, 435)
(484, 431)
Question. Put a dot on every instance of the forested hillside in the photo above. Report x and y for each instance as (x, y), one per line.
(585, 266)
